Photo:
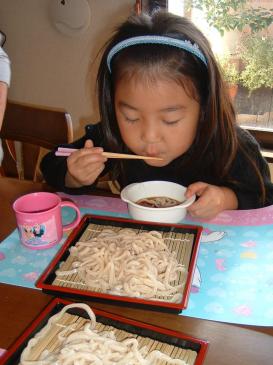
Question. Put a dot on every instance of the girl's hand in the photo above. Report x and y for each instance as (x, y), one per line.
(211, 200)
(84, 166)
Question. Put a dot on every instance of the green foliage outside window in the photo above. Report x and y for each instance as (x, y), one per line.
(226, 15)
(256, 53)
(255, 50)
(229, 70)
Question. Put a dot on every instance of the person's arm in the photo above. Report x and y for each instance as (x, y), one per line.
(5, 74)
(54, 169)
(241, 190)
(3, 100)
(245, 182)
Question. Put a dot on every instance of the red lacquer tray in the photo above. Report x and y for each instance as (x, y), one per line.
(47, 281)
(153, 333)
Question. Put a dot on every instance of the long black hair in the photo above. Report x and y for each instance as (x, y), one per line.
(216, 138)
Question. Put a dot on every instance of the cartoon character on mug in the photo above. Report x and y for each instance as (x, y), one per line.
(33, 233)
(27, 233)
(38, 230)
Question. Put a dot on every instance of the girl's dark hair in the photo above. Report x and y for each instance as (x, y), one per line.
(216, 137)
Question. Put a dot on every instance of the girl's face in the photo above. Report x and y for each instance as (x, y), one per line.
(156, 119)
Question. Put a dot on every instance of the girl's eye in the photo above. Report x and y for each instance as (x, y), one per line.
(170, 122)
(131, 120)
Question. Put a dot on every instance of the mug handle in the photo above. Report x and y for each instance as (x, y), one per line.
(76, 221)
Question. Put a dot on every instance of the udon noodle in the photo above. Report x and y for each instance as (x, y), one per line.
(128, 263)
(158, 202)
(88, 346)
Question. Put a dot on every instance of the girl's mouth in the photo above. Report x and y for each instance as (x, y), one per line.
(152, 154)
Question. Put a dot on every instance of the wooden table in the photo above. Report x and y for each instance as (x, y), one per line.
(229, 344)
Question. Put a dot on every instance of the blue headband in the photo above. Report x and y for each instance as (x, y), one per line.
(155, 39)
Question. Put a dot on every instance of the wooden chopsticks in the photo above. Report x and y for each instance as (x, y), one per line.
(63, 151)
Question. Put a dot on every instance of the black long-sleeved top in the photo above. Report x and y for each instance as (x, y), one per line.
(247, 190)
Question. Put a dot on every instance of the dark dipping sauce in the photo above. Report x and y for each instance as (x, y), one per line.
(158, 202)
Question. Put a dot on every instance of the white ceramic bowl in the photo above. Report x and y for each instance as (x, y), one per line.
(134, 192)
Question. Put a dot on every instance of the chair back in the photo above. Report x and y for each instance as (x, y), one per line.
(28, 132)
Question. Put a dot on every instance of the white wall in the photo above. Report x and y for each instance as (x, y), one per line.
(49, 68)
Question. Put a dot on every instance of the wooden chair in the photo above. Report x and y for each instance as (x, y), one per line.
(28, 132)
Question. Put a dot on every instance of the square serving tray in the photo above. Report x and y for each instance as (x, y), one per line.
(175, 343)
(183, 239)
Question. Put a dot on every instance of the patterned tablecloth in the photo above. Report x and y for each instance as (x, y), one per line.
(233, 280)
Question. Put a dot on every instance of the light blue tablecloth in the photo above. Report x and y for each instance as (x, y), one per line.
(233, 281)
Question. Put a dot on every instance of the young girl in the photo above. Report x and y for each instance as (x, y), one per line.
(161, 94)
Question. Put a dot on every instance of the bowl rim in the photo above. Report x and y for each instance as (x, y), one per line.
(186, 203)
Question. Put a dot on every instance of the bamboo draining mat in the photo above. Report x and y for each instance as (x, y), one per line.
(176, 241)
(51, 343)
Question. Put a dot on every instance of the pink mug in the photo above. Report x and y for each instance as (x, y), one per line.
(39, 219)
